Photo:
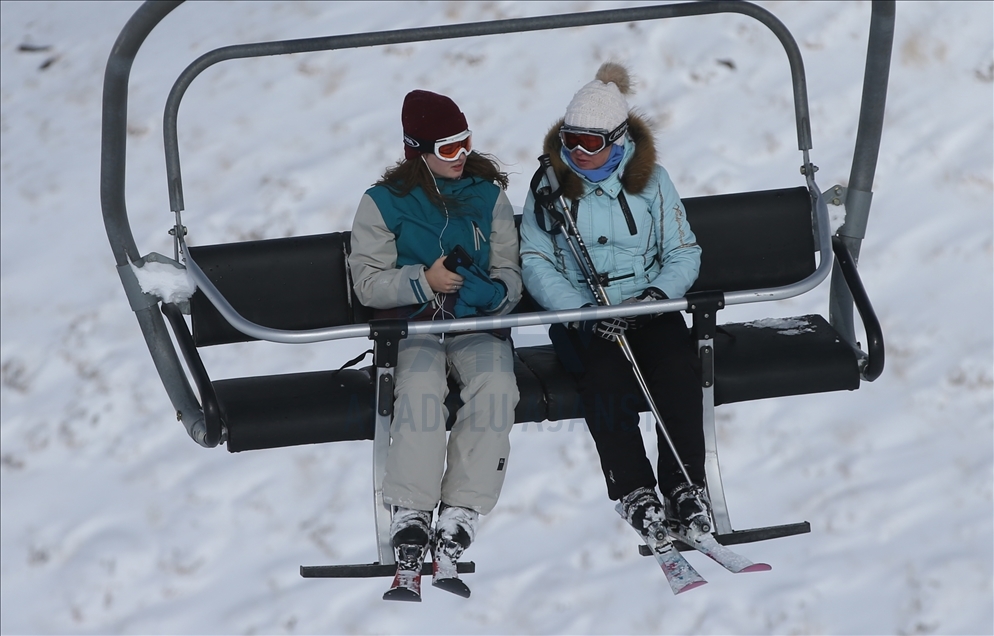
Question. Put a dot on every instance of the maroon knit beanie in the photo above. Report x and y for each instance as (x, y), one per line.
(426, 118)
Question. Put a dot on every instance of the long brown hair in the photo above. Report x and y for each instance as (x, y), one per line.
(408, 174)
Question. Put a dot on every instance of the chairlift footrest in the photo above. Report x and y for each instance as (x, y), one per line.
(762, 534)
(747, 536)
(370, 570)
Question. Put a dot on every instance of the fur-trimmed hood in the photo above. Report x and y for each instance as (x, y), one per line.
(637, 172)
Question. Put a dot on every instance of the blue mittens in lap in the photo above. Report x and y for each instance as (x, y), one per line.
(479, 292)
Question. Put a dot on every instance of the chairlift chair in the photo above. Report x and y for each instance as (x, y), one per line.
(757, 247)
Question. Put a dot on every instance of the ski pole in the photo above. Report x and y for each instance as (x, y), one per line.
(574, 241)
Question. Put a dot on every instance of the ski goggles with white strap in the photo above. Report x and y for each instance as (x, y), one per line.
(590, 141)
(447, 149)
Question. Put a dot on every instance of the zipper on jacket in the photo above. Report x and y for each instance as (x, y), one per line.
(477, 235)
(632, 228)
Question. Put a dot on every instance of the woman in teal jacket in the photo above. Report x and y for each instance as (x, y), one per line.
(441, 196)
(635, 228)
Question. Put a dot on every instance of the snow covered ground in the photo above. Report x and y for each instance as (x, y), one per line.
(114, 521)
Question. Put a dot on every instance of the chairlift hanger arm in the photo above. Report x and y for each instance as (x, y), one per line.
(113, 160)
(868, 134)
(114, 126)
(476, 29)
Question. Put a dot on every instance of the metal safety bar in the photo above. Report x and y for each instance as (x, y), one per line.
(242, 324)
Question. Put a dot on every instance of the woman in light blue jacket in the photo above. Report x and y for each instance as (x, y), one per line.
(635, 228)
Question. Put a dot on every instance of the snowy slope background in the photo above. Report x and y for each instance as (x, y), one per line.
(114, 521)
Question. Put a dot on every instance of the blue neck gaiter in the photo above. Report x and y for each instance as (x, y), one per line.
(605, 171)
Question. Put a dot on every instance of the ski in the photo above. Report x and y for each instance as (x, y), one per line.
(406, 585)
(445, 575)
(454, 533)
(681, 576)
(706, 544)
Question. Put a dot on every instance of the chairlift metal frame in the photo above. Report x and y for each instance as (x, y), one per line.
(837, 255)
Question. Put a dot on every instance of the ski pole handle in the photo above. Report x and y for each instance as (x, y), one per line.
(550, 175)
(571, 234)
(546, 162)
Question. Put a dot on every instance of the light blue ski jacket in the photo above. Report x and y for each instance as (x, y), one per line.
(647, 244)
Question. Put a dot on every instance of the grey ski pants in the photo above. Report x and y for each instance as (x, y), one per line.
(468, 469)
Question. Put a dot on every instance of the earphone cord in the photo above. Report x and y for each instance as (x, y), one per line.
(439, 297)
(445, 209)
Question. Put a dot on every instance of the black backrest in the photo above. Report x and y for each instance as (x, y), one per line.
(753, 240)
(299, 282)
(750, 240)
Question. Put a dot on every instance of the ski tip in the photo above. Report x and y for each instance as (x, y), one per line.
(453, 585)
(402, 594)
(757, 567)
(690, 586)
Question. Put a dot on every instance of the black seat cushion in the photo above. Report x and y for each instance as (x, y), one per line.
(781, 357)
(752, 240)
(561, 395)
(330, 406)
(297, 408)
(756, 360)
(293, 283)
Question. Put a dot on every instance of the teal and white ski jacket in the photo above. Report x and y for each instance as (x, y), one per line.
(649, 243)
(395, 238)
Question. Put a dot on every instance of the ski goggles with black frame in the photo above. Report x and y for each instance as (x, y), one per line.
(447, 149)
(590, 141)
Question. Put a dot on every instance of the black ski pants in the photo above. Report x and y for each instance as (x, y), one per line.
(612, 401)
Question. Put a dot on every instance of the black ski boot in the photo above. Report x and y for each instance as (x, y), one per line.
(689, 510)
(409, 531)
(642, 509)
(454, 532)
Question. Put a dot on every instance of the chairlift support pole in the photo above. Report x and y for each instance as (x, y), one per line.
(859, 192)
(114, 133)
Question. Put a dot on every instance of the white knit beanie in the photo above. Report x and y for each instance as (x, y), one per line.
(601, 104)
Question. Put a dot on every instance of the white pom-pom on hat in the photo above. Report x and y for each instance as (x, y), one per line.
(614, 73)
(601, 104)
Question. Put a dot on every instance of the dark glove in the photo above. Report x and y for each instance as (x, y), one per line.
(606, 328)
(651, 294)
(479, 292)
